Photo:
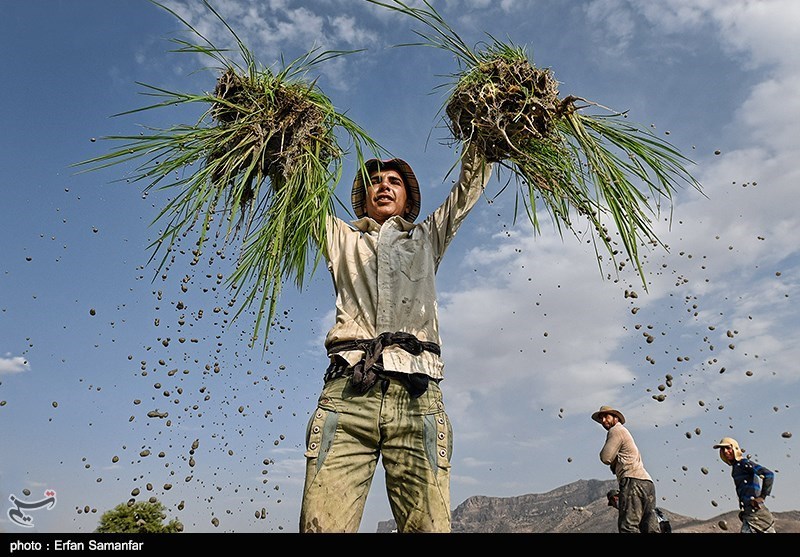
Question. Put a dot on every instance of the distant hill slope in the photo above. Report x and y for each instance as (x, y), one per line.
(579, 507)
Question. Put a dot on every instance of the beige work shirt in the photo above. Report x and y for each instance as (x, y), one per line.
(622, 455)
(384, 276)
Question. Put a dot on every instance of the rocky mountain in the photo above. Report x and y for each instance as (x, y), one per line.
(579, 507)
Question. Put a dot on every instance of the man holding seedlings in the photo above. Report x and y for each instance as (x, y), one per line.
(381, 397)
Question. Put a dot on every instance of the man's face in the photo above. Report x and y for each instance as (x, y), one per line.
(608, 420)
(386, 195)
(726, 453)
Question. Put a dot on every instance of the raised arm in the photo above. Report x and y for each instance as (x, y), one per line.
(445, 221)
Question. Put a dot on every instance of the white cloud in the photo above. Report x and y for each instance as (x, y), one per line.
(766, 31)
(771, 112)
(615, 25)
(676, 16)
(278, 32)
(13, 364)
(527, 315)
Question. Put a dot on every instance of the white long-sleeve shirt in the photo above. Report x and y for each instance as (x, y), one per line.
(622, 455)
(384, 276)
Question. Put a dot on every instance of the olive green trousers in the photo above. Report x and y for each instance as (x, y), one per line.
(346, 436)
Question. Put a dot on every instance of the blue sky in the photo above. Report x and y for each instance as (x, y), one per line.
(535, 336)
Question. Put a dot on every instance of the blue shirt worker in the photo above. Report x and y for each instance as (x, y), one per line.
(753, 484)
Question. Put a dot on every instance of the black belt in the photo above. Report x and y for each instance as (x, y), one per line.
(365, 372)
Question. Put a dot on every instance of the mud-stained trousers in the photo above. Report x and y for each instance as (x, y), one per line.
(637, 506)
(347, 435)
(757, 521)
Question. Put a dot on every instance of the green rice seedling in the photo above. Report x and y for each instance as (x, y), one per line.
(260, 167)
(598, 166)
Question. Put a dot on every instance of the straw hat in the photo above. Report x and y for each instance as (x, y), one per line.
(358, 200)
(598, 416)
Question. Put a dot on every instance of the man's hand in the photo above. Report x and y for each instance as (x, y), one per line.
(757, 502)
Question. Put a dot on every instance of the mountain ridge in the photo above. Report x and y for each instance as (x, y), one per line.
(577, 507)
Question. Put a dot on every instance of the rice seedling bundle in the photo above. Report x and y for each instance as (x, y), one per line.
(599, 167)
(503, 105)
(273, 125)
(261, 164)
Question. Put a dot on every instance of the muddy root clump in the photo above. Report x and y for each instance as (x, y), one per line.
(272, 125)
(503, 106)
